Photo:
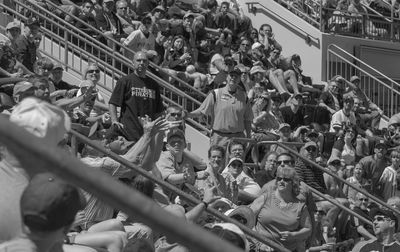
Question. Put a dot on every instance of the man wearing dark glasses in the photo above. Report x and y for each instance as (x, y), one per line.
(361, 207)
(384, 225)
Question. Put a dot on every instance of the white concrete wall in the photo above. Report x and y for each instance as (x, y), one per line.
(292, 39)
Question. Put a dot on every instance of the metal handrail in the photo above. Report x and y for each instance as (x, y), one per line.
(127, 49)
(177, 191)
(295, 10)
(335, 176)
(301, 30)
(35, 156)
(354, 60)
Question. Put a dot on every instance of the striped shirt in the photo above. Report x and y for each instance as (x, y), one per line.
(310, 175)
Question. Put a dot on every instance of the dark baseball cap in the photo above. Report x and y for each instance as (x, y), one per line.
(49, 203)
(175, 133)
(385, 212)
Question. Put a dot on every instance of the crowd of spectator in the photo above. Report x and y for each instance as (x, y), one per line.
(254, 94)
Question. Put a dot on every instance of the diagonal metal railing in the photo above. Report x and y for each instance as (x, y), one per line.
(35, 155)
(74, 49)
(382, 90)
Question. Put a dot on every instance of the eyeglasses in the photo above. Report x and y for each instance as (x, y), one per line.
(272, 161)
(287, 180)
(276, 52)
(381, 218)
(363, 199)
(311, 149)
(93, 71)
(279, 162)
(122, 8)
(175, 114)
(244, 44)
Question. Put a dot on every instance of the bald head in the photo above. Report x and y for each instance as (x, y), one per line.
(140, 63)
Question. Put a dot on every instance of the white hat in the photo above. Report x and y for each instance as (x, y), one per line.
(41, 119)
(256, 45)
(236, 230)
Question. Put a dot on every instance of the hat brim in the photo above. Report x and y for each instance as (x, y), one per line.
(246, 213)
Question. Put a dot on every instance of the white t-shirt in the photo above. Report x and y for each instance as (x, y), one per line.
(339, 118)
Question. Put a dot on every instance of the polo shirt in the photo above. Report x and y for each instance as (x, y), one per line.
(310, 175)
(376, 246)
(229, 111)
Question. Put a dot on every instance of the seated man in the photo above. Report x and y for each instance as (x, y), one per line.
(345, 116)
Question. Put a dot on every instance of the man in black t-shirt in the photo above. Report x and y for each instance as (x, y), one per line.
(138, 96)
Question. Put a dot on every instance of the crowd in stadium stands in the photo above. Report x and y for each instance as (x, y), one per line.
(254, 91)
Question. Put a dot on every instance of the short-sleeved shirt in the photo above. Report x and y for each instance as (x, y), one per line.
(229, 111)
(340, 118)
(373, 169)
(97, 210)
(168, 165)
(311, 175)
(137, 41)
(375, 245)
(136, 97)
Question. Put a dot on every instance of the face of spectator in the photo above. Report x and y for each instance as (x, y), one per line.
(284, 182)
(235, 168)
(33, 29)
(158, 14)
(358, 171)
(357, 104)
(254, 34)
(178, 43)
(319, 214)
(275, 54)
(244, 77)
(176, 145)
(395, 160)
(267, 31)
(87, 8)
(57, 74)
(147, 25)
(108, 7)
(380, 151)
(285, 133)
(259, 76)
(187, 22)
(270, 164)
(237, 151)
(224, 8)
(245, 46)
(350, 134)
(276, 103)
(310, 152)
(348, 104)
(284, 160)
(334, 88)
(216, 159)
(42, 90)
(173, 114)
(119, 146)
(140, 63)
(13, 33)
(87, 106)
(382, 224)
(93, 74)
(232, 81)
(122, 8)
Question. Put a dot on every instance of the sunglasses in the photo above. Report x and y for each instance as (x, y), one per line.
(336, 163)
(363, 199)
(279, 162)
(287, 180)
(381, 218)
(122, 8)
(176, 114)
(321, 212)
(93, 71)
(245, 44)
(311, 149)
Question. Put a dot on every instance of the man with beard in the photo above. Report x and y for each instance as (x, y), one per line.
(385, 225)
(229, 109)
(137, 96)
(374, 165)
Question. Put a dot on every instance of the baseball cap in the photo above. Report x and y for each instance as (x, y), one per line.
(257, 69)
(395, 119)
(234, 229)
(22, 87)
(387, 213)
(41, 119)
(189, 14)
(49, 203)
(380, 142)
(312, 133)
(354, 78)
(245, 212)
(256, 46)
(283, 125)
(58, 66)
(310, 143)
(175, 133)
(33, 21)
(235, 159)
(13, 24)
(236, 71)
(222, 203)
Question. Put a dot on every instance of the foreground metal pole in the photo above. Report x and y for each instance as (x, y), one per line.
(380, 202)
(182, 194)
(35, 154)
(347, 210)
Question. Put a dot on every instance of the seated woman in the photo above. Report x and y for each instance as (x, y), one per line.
(356, 180)
(280, 215)
(345, 146)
